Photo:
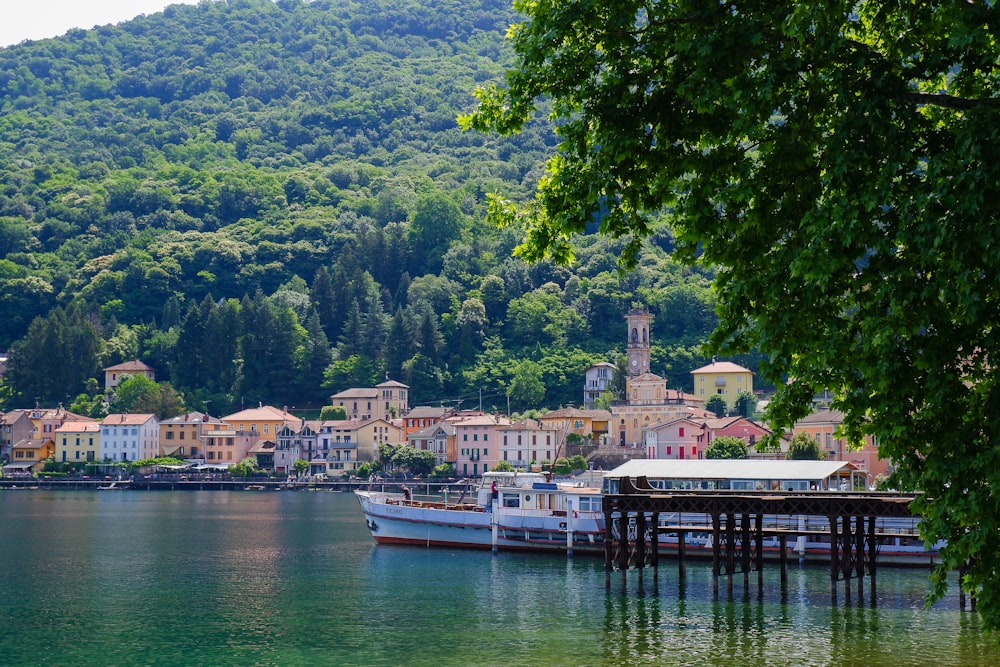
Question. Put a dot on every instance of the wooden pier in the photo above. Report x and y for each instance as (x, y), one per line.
(736, 522)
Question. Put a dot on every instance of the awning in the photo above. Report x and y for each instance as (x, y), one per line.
(23, 465)
(212, 466)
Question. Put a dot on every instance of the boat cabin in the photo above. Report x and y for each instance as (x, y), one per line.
(534, 491)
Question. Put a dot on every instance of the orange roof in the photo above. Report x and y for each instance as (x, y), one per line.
(264, 413)
(722, 367)
(128, 419)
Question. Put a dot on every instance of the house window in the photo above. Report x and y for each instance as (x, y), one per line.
(680, 432)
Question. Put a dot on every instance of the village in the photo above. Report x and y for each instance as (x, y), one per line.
(653, 422)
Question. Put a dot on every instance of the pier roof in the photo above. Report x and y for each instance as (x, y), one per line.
(717, 469)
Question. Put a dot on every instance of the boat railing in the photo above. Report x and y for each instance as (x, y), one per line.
(794, 524)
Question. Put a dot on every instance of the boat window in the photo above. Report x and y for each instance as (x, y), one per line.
(511, 500)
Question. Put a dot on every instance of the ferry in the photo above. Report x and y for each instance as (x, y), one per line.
(523, 511)
(528, 511)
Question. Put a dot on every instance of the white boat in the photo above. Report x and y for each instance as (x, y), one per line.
(527, 512)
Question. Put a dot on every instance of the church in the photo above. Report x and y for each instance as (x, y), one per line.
(647, 399)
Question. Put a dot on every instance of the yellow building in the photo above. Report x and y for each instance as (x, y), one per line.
(78, 442)
(265, 420)
(589, 424)
(387, 401)
(722, 378)
(360, 438)
(183, 436)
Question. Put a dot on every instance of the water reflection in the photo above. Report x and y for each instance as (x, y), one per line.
(294, 579)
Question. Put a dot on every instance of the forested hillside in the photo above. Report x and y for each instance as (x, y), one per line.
(273, 201)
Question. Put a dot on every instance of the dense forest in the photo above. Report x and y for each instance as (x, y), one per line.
(272, 201)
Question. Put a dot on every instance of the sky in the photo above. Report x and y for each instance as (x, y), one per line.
(38, 19)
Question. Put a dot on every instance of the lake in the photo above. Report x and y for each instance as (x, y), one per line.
(293, 578)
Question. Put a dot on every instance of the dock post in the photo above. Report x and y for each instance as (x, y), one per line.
(493, 524)
(655, 547)
(609, 561)
(834, 552)
(716, 549)
(872, 557)
(730, 551)
(640, 543)
(681, 552)
(783, 545)
(745, 542)
(569, 528)
(759, 528)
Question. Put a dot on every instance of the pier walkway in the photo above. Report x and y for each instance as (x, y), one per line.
(738, 522)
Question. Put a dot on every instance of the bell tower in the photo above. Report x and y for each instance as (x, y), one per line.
(637, 342)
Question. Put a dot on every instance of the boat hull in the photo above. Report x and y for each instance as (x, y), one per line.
(431, 524)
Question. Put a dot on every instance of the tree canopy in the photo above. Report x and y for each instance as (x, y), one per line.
(804, 447)
(836, 164)
(726, 447)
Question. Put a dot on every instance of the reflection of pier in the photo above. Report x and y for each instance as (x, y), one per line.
(738, 522)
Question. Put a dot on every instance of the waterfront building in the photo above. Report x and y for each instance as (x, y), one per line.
(30, 454)
(265, 420)
(745, 429)
(524, 444)
(438, 438)
(674, 439)
(476, 442)
(388, 400)
(591, 425)
(689, 437)
(722, 378)
(183, 436)
(351, 441)
(597, 380)
(824, 425)
(31, 435)
(128, 437)
(113, 375)
(294, 445)
(78, 442)
(422, 416)
(15, 426)
(225, 446)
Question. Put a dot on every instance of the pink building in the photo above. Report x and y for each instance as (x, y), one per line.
(477, 443)
(674, 439)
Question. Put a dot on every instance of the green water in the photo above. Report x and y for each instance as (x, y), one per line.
(293, 578)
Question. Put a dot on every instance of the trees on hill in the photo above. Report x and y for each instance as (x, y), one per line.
(217, 188)
(833, 163)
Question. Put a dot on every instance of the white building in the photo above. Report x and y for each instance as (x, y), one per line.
(126, 437)
(597, 380)
(525, 442)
